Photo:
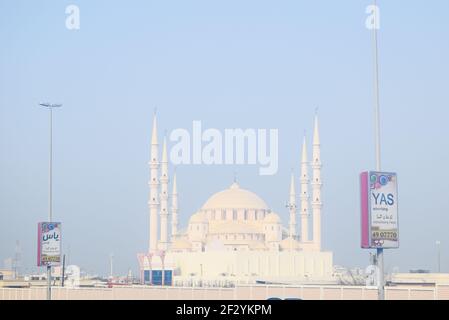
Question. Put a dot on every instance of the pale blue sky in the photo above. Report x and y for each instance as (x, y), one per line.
(245, 64)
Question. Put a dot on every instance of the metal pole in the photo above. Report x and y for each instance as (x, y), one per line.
(380, 265)
(376, 91)
(50, 213)
(63, 271)
(380, 251)
(50, 178)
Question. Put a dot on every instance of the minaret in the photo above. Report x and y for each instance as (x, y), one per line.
(154, 188)
(304, 193)
(292, 208)
(316, 186)
(164, 198)
(174, 209)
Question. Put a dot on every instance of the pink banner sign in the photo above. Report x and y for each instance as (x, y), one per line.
(49, 244)
(379, 210)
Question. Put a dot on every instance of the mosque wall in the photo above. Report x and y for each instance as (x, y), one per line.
(260, 265)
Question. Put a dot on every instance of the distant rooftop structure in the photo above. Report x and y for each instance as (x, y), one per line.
(425, 279)
(419, 271)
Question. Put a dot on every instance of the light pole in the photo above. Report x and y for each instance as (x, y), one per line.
(380, 251)
(50, 178)
(438, 243)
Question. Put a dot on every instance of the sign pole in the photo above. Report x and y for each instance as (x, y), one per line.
(380, 265)
(380, 251)
(50, 178)
(50, 213)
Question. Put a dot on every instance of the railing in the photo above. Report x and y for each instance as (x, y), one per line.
(243, 292)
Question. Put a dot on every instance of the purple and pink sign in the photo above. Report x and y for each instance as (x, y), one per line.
(49, 244)
(379, 209)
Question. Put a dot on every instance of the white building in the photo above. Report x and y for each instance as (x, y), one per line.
(235, 236)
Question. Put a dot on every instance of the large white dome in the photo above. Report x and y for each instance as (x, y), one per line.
(235, 198)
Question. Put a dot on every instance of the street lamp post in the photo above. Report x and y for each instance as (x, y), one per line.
(50, 179)
(380, 251)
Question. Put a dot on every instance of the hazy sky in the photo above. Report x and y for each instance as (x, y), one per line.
(230, 64)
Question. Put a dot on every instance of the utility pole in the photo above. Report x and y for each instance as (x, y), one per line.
(50, 107)
(380, 251)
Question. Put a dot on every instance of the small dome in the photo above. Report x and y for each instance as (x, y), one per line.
(198, 217)
(272, 218)
(235, 198)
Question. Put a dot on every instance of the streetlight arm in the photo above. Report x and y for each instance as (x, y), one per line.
(49, 105)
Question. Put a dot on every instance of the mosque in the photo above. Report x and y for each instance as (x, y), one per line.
(235, 237)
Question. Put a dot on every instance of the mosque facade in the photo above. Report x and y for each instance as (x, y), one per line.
(235, 237)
